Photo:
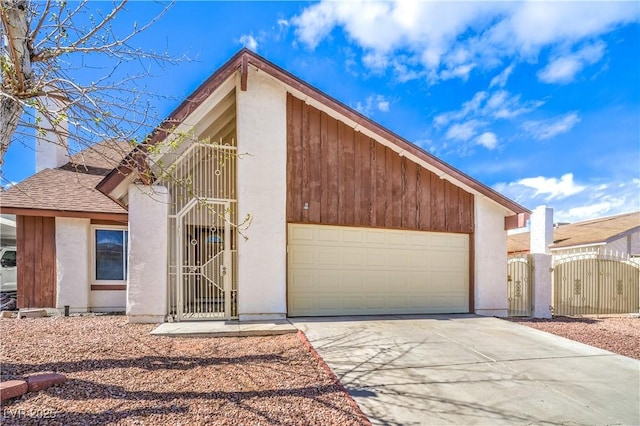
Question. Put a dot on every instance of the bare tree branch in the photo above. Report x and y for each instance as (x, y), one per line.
(46, 60)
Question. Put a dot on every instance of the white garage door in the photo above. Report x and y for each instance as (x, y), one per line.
(334, 270)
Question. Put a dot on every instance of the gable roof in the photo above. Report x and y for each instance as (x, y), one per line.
(240, 62)
(595, 231)
(70, 190)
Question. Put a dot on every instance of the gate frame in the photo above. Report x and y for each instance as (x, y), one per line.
(530, 285)
(598, 255)
(226, 258)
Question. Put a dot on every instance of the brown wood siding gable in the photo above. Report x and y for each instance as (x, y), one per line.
(338, 176)
(36, 275)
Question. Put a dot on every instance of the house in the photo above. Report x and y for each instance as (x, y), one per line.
(60, 217)
(281, 201)
(620, 233)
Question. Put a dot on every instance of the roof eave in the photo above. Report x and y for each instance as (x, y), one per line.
(19, 211)
(245, 57)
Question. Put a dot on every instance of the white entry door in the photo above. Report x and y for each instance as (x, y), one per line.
(334, 270)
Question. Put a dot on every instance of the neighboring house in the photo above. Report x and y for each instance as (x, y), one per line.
(346, 216)
(619, 233)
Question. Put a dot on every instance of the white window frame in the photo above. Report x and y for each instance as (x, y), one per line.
(95, 228)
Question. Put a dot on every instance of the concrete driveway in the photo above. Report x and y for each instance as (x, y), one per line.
(464, 369)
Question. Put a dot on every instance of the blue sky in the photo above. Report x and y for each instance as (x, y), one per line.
(540, 101)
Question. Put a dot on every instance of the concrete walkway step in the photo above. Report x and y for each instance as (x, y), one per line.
(224, 328)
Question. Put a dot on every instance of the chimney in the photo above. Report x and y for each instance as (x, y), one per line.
(541, 230)
(52, 147)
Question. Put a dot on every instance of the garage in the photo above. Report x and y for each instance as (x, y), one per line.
(340, 270)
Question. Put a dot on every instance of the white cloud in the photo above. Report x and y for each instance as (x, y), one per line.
(501, 79)
(563, 69)
(469, 107)
(475, 115)
(382, 105)
(573, 202)
(373, 103)
(249, 41)
(554, 187)
(547, 129)
(449, 41)
(463, 131)
(534, 25)
(587, 212)
(461, 72)
(315, 23)
(376, 61)
(488, 139)
(497, 105)
(503, 104)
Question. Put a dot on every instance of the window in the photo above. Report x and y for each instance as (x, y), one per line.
(8, 259)
(110, 254)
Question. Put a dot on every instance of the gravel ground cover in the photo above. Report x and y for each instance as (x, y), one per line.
(619, 334)
(119, 374)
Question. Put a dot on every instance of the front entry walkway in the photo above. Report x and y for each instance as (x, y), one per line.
(464, 369)
(232, 328)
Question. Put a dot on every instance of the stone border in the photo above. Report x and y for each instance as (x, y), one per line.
(34, 383)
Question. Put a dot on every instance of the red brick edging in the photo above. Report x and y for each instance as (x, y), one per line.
(336, 381)
(33, 383)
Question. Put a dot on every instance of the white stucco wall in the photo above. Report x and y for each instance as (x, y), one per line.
(541, 235)
(627, 245)
(51, 147)
(73, 257)
(147, 277)
(490, 259)
(542, 282)
(635, 243)
(261, 127)
(108, 300)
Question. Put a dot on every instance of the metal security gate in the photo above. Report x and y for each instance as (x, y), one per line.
(204, 254)
(595, 283)
(202, 234)
(520, 285)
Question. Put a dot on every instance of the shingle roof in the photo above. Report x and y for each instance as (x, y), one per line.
(104, 155)
(601, 230)
(70, 188)
(518, 243)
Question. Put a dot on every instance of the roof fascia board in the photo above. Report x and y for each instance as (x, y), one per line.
(516, 221)
(194, 125)
(120, 191)
(199, 96)
(184, 127)
(119, 217)
(198, 120)
(199, 115)
(178, 115)
(577, 246)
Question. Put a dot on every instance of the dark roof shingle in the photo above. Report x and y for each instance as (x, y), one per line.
(72, 187)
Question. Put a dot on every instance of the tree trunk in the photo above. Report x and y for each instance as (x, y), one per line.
(10, 111)
(17, 76)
